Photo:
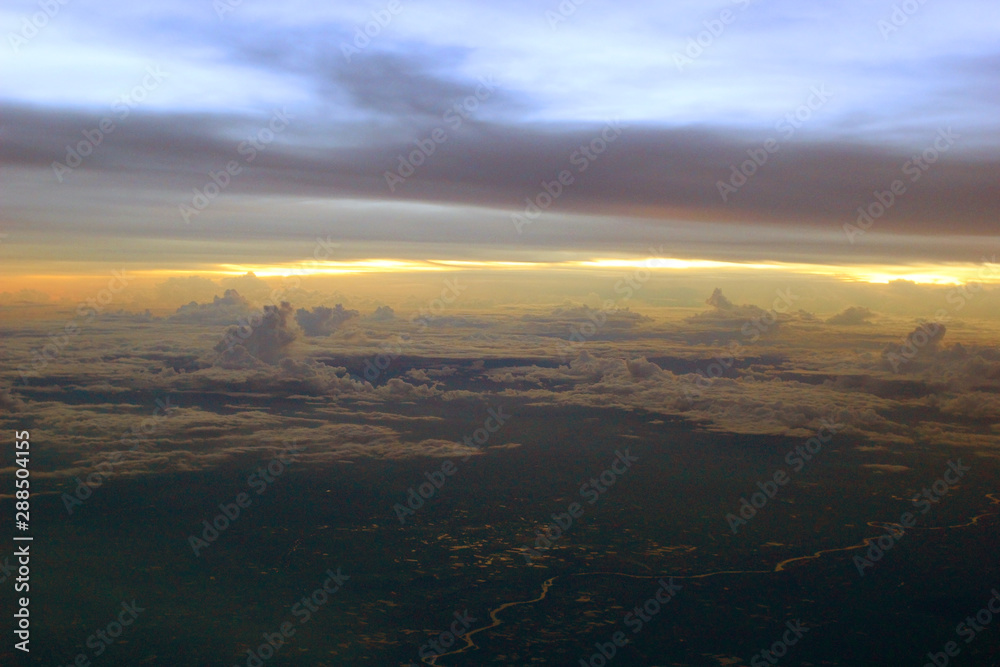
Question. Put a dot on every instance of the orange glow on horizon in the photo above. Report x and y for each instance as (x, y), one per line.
(927, 274)
(58, 285)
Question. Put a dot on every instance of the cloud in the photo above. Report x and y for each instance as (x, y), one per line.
(238, 358)
(725, 312)
(854, 315)
(9, 402)
(656, 175)
(977, 405)
(641, 368)
(383, 314)
(228, 308)
(248, 285)
(397, 389)
(718, 301)
(886, 467)
(921, 344)
(419, 374)
(268, 338)
(613, 317)
(24, 297)
(191, 439)
(323, 321)
(186, 289)
(103, 381)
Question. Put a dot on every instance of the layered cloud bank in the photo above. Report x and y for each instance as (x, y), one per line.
(389, 387)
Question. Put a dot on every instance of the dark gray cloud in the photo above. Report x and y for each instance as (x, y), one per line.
(323, 320)
(155, 161)
(719, 301)
(383, 314)
(852, 316)
(228, 308)
(8, 401)
(265, 337)
(726, 313)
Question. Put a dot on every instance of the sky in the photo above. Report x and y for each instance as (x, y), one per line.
(853, 140)
(714, 230)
